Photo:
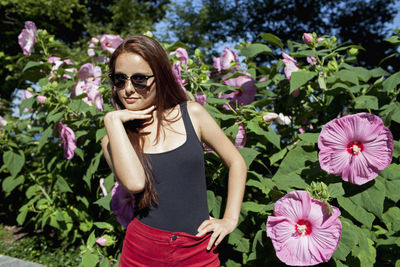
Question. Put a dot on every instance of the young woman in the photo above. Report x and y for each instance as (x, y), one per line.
(154, 147)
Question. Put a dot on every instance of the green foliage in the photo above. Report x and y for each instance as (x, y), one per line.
(43, 190)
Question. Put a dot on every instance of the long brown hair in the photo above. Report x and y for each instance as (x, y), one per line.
(168, 95)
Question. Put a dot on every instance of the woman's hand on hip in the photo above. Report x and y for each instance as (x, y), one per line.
(219, 228)
(125, 115)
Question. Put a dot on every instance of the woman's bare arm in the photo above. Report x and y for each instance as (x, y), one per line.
(118, 151)
(214, 137)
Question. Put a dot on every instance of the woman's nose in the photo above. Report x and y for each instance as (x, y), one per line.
(129, 89)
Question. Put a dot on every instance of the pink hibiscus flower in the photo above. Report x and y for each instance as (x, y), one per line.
(226, 59)
(302, 230)
(356, 146)
(247, 91)
(110, 42)
(68, 139)
(27, 38)
(182, 54)
(290, 65)
(122, 204)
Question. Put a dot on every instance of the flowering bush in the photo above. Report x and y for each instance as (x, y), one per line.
(304, 119)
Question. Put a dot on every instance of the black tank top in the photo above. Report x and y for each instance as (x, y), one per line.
(180, 184)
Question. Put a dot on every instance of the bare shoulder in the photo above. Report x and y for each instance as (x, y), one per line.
(196, 110)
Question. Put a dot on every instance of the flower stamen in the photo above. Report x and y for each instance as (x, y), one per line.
(354, 148)
(303, 227)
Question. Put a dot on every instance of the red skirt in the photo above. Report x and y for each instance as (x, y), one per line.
(147, 246)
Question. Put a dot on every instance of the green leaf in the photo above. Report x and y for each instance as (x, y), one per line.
(46, 134)
(348, 240)
(366, 251)
(278, 156)
(79, 153)
(31, 64)
(358, 213)
(272, 39)
(100, 133)
(104, 202)
(26, 104)
(55, 115)
(394, 40)
(335, 190)
(372, 198)
(253, 50)
(391, 172)
(300, 78)
(309, 137)
(248, 154)
(255, 207)
(10, 183)
(79, 106)
(390, 84)
(273, 137)
(287, 175)
(104, 225)
(348, 76)
(62, 184)
(91, 240)
(391, 218)
(89, 259)
(13, 161)
(214, 203)
(366, 102)
(23, 211)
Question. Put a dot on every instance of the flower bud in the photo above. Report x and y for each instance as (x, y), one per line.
(308, 38)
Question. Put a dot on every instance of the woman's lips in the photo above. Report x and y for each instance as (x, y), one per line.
(131, 100)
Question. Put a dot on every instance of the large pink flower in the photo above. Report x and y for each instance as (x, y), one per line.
(224, 62)
(290, 65)
(182, 54)
(247, 91)
(110, 42)
(302, 230)
(356, 146)
(122, 204)
(68, 139)
(27, 38)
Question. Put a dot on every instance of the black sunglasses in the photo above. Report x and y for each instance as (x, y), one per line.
(138, 81)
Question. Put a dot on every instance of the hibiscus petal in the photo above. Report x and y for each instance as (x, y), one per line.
(295, 205)
(360, 171)
(324, 241)
(280, 229)
(335, 162)
(379, 152)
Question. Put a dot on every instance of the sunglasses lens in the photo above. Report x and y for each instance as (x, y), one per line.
(140, 82)
(119, 80)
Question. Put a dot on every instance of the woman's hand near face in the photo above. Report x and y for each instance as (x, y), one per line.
(126, 115)
(118, 150)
